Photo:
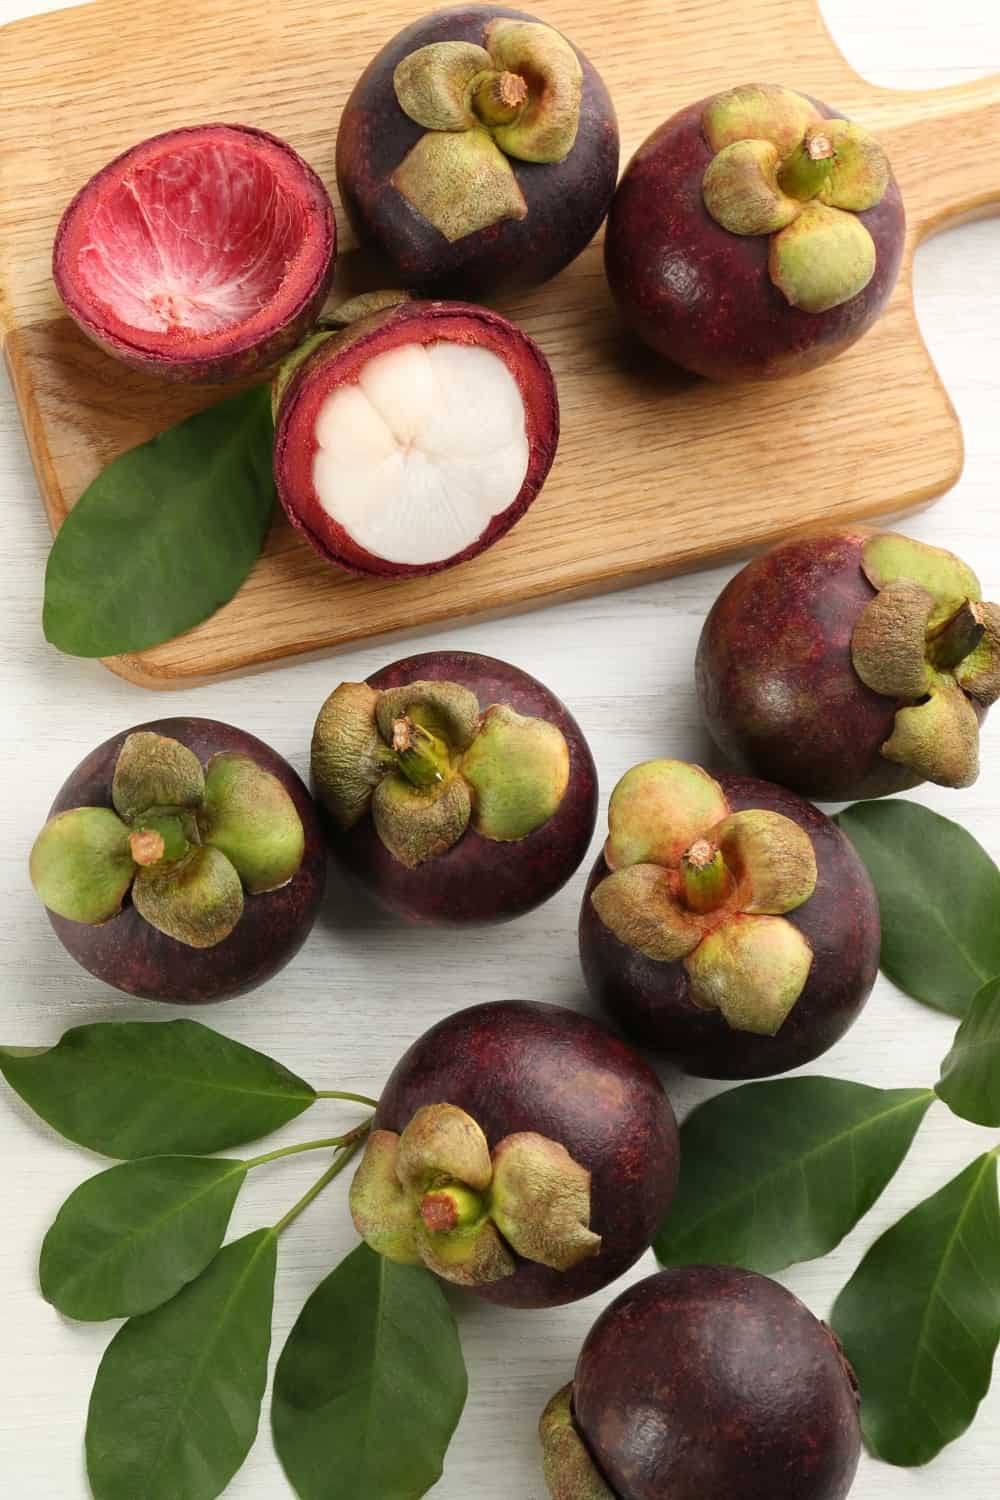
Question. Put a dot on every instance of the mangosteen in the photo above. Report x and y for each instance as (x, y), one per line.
(728, 925)
(203, 254)
(854, 664)
(705, 1383)
(477, 152)
(520, 1151)
(755, 234)
(415, 437)
(182, 861)
(456, 788)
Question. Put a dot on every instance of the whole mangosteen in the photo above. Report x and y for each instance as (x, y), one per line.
(520, 1151)
(477, 152)
(728, 925)
(203, 254)
(705, 1383)
(755, 234)
(414, 437)
(457, 788)
(182, 861)
(854, 664)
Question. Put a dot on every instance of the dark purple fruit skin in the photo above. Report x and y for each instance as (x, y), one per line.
(755, 1397)
(567, 201)
(514, 1065)
(702, 297)
(480, 880)
(840, 921)
(775, 678)
(131, 955)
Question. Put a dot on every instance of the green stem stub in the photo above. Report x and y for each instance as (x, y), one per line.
(804, 173)
(705, 879)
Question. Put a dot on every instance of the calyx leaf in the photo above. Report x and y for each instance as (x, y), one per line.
(417, 825)
(382, 1209)
(249, 816)
(348, 756)
(461, 182)
(540, 1201)
(198, 902)
(979, 674)
(887, 557)
(938, 739)
(432, 84)
(154, 770)
(657, 810)
(861, 171)
(638, 905)
(442, 1142)
(758, 112)
(741, 189)
(889, 642)
(570, 1472)
(546, 128)
(81, 864)
(518, 768)
(772, 857)
(823, 258)
(752, 970)
(444, 708)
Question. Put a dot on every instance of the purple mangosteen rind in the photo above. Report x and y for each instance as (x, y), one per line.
(795, 647)
(517, 1067)
(478, 879)
(839, 922)
(562, 203)
(757, 1387)
(239, 355)
(133, 956)
(702, 296)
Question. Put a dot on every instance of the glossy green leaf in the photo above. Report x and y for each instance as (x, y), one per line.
(176, 1403)
(939, 894)
(920, 1319)
(165, 534)
(774, 1173)
(155, 1088)
(128, 1239)
(970, 1074)
(370, 1385)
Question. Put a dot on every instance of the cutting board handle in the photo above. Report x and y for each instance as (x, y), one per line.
(949, 141)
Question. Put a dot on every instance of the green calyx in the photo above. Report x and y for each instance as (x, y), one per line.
(780, 169)
(427, 764)
(928, 640)
(693, 882)
(517, 96)
(187, 840)
(434, 1195)
(331, 325)
(570, 1472)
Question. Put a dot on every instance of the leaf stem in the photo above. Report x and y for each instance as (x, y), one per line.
(352, 1098)
(336, 1141)
(345, 1151)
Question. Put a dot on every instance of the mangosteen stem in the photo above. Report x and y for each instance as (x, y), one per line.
(448, 1208)
(147, 847)
(422, 756)
(803, 173)
(498, 98)
(705, 877)
(340, 1161)
(957, 638)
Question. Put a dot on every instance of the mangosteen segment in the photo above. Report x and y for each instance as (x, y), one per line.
(927, 639)
(428, 764)
(435, 1194)
(781, 170)
(519, 96)
(186, 842)
(203, 253)
(709, 886)
(569, 1470)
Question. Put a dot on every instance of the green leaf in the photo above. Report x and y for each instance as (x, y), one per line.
(370, 1385)
(920, 1319)
(774, 1173)
(939, 894)
(155, 1088)
(131, 1237)
(166, 534)
(970, 1074)
(176, 1403)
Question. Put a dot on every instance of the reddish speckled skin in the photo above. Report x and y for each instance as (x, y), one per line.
(840, 921)
(340, 361)
(515, 1066)
(131, 955)
(230, 355)
(702, 297)
(480, 880)
(713, 1383)
(567, 201)
(777, 686)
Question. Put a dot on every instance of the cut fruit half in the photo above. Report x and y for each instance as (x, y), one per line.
(202, 254)
(415, 438)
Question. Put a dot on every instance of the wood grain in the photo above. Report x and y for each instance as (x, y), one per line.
(656, 473)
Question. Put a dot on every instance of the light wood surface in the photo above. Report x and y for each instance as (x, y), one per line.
(362, 988)
(655, 473)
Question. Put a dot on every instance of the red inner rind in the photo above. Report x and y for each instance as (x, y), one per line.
(334, 365)
(221, 233)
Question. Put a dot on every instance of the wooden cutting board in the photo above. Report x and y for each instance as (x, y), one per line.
(655, 472)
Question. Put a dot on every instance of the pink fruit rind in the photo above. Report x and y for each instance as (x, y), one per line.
(175, 314)
(335, 364)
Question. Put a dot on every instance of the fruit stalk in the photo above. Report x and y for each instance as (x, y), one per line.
(803, 173)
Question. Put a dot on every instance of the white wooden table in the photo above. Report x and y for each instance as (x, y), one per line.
(623, 663)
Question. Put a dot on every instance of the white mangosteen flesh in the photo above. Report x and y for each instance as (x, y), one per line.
(417, 457)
